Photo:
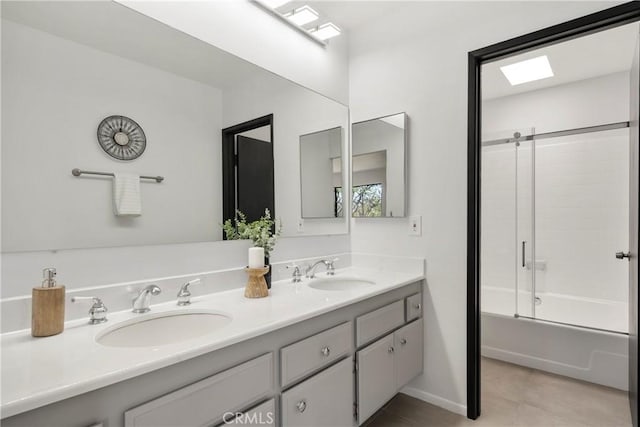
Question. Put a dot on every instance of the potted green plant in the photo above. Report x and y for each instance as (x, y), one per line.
(263, 232)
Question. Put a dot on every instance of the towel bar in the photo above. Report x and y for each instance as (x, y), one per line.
(78, 172)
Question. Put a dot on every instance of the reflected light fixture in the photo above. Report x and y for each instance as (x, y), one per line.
(274, 4)
(528, 70)
(302, 15)
(325, 31)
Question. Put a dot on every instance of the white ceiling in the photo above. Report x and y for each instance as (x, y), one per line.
(351, 14)
(598, 54)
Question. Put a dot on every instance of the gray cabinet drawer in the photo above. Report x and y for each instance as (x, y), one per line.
(413, 307)
(311, 354)
(325, 399)
(205, 402)
(377, 323)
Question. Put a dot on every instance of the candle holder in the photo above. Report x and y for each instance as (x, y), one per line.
(256, 285)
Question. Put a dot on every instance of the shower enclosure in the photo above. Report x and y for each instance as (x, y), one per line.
(554, 214)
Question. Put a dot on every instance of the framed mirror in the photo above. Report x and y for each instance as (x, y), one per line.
(378, 167)
(321, 177)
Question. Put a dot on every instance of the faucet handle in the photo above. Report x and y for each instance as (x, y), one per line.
(330, 267)
(184, 296)
(297, 275)
(97, 312)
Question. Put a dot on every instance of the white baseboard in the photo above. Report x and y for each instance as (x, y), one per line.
(449, 405)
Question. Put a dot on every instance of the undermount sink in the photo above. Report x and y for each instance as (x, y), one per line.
(339, 283)
(162, 329)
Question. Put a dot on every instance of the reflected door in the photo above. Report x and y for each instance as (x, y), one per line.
(254, 177)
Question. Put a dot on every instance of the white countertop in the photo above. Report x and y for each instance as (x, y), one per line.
(39, 371)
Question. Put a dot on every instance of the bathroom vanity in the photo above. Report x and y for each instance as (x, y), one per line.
(326, 351)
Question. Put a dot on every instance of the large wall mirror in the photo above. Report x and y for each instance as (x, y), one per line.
(378, 167)
(69, 65)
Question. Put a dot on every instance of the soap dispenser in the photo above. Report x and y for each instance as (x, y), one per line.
(47, 306)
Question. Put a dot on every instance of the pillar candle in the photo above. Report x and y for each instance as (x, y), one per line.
(256, 257)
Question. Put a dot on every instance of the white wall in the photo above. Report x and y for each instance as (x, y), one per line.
(249, 32)
(417, 62)
(55, 94)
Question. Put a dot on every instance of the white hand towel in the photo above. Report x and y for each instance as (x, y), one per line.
(126, 194)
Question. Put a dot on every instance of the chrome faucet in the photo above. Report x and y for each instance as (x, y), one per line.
(184, 296)
(142, 301)
(310, 271)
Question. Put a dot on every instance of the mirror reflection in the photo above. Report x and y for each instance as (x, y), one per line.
(69, 65)
(321, 174)
(378, 174)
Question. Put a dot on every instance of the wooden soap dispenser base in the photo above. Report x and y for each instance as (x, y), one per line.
(256, 285)
(47, 306)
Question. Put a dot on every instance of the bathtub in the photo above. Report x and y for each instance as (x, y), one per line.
(594, 355)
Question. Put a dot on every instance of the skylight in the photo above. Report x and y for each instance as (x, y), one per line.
(528, 70)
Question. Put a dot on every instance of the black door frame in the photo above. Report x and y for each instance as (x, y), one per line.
(229, 163)
(608, 18)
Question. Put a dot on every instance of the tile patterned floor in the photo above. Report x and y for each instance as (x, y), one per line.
(517, 396)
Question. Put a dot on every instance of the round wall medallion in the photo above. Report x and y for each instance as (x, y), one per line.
(121, 138)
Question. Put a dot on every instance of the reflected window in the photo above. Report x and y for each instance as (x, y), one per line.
(366, 201)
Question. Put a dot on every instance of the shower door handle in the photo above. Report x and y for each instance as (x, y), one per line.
(524, 251)
(622, 255)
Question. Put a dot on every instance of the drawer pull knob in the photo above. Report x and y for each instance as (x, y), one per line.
(403, 341)
(391, 349)
(417, 306)
(326, 351)
(302, 405)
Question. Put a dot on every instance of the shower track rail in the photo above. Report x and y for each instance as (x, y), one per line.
(572, 325)
(556, 134)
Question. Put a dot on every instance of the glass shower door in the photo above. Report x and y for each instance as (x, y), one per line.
(525, 223)
(581, 204)
(506, 190)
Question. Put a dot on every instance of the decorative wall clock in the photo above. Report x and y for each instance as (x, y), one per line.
(121, 138)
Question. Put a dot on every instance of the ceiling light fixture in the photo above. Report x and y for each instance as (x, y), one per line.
(528, 71)
(302, 15)
(325, 31)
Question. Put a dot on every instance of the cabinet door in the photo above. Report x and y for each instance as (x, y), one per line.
(409, 348)
(376, 376)
(325, 399)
